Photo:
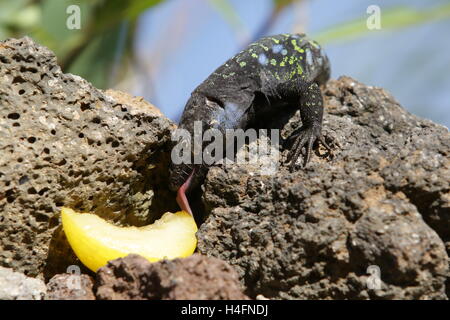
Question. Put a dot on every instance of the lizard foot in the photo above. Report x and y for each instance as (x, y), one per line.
(304, 137)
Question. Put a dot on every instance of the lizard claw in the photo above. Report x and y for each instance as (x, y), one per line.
(305, 137)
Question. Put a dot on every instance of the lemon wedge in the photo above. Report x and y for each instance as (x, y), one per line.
(96, 241)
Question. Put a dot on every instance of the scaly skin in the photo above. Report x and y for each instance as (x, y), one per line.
(271, 74)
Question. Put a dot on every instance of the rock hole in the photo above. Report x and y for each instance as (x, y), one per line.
(47, 150)
(96, 120)
(31, 139)
(43, 190)
(41, 218)
(16, 124)
(81, 135)
(62, 162)
(18, 80)
(21, 91)
(14, 116)
(23, 179)
(84, 106)
(53, 132)
(25, 69)
(31, 190)
(115, 144)
(53, 222)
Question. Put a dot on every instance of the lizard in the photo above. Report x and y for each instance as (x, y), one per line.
(273, 73)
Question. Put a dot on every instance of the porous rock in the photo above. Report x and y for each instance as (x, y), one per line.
(65, 143)
(70, 287)
(380, 201)
(196, 278)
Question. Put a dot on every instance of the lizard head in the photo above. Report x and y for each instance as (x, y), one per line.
(182, 166)
(184, 175)
(181, 174)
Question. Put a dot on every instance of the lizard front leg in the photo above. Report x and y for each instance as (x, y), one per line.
(311, 113)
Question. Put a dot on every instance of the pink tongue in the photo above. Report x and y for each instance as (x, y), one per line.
(181, 195)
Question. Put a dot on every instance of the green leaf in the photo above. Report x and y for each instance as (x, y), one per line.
(138, 6)
(394, 18)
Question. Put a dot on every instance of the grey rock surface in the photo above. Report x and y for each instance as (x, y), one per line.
(17, 286)
(66, 143)
(381, 199)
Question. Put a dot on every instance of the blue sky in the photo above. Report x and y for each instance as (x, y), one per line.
(185, 40)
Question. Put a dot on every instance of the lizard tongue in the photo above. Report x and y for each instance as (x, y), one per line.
(181, 195)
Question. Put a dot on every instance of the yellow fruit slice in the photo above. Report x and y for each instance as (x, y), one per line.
(96, 241)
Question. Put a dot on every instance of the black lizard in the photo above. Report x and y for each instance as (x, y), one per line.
(286, 70)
